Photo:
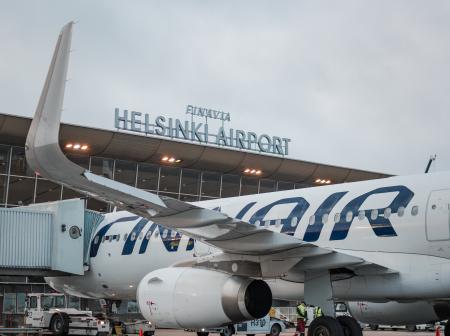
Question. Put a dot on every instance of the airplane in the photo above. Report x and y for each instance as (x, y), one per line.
(217, 262)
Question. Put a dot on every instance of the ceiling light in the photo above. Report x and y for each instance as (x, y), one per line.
(84, 147)
(69, 145)
(76, 146)
(170, 159)
(252, 171)
(322, 181)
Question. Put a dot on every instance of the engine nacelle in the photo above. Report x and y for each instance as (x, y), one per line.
(394, 313)
(190, 298)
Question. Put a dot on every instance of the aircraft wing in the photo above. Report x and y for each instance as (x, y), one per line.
(235, 237)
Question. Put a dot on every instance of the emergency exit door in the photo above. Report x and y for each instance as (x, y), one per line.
(438, 215)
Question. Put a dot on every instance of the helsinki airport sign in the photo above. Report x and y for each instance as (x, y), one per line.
(191, 130)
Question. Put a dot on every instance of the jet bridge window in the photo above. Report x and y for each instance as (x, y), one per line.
(415, 210)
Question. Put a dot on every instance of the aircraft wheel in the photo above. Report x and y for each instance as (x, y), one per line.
(411, 328)
(325, 326)
(350, 326)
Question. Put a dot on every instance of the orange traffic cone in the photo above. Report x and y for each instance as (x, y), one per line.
(438, 331)
(140, 332)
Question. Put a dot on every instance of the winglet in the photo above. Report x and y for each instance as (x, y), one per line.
(42, 149)
(44, 129)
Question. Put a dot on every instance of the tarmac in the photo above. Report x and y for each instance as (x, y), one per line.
(291, 332)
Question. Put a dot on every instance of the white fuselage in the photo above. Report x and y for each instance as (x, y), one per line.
(401, 223)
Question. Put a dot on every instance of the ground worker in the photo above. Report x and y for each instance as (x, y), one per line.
(317, 312)
(301, 320)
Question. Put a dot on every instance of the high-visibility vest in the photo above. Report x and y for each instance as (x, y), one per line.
(301, 311)
(317, 312)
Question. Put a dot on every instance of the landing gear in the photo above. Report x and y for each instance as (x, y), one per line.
(325, 326)
(340, 326)
(350, 326)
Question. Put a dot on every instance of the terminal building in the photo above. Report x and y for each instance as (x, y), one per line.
(165, 165)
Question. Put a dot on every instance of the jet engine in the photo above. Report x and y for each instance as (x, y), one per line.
(396, 313)
(191, 298)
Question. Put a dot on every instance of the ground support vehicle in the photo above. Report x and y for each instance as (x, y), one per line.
(50, 312)
(267, 325)
(416, 327)
(133, 328)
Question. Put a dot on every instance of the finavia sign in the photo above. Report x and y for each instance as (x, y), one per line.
(199, 132)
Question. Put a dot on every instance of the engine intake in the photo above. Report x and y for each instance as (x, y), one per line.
(182, 297)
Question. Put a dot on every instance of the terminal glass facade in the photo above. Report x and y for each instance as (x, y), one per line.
(20, 186)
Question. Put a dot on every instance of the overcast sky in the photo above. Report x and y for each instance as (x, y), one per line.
(362, 84)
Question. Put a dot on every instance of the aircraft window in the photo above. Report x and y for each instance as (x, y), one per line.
(164, 233)
(387, 212)
(414, 210)
(157, 233)
(433, 207)
(111, 238)
(267, 223)
(324, 218)
(133, 236)
(148, 235)
(401, 211)
(361, 215)
(312, 219)
(257, 223)
(103, 239)
(374, 214)
(118, 237)
(277, 222)
(294, 221)
(125, 236)
(173, 234)
(96, 240)
(349, 216)
(141, 235)
(337, 217)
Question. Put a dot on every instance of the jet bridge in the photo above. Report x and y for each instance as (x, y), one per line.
(47, 239)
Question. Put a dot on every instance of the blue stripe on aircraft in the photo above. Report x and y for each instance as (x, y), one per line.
(147, 238)
(313, 231)
(102, 232)
(130, 242)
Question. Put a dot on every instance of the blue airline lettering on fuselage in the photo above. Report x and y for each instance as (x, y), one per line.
(133, 236)
(288, 224)
(147, 237)
(97, 240)
(171, 242)
(313, 231)
(381, 225)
